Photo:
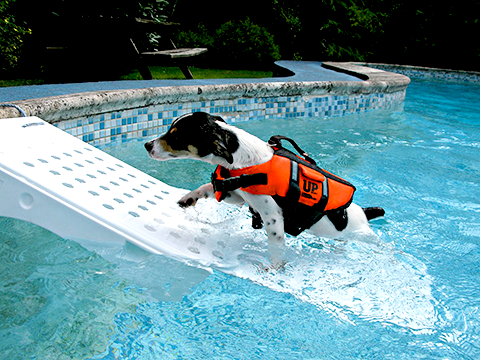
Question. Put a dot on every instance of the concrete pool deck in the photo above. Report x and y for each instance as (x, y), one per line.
(59, 102)
(302, 71)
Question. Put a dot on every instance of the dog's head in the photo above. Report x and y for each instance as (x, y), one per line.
(195, 136)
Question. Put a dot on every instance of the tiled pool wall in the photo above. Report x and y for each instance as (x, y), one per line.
(145, 122)
(415, 72)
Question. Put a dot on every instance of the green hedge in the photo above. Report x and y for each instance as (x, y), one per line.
(244, 42)
(237, 43)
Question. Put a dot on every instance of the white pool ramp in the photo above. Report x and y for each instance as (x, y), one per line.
(54, 180)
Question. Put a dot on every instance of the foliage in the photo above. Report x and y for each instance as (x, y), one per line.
(153, 9)
(198, 37)
(416, 32)
(244, 42)
(11, 37)
(237, 43)
(347, 34)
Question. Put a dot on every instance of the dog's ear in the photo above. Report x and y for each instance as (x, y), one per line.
(219, 149)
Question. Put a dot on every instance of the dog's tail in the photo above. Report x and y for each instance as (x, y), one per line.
(373, 212)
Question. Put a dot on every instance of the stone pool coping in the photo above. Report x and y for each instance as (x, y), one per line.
(73, 106)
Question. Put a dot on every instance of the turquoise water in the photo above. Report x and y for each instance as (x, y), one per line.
(414, 292)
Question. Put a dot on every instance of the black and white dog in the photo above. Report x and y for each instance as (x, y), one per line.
(208, 138)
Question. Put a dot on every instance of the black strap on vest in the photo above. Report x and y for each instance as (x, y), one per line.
(237, 182)
(276, 141)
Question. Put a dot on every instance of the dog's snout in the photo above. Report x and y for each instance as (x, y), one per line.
(149, 145)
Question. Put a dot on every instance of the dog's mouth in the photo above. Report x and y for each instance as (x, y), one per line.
(155, 151)
(161, 156)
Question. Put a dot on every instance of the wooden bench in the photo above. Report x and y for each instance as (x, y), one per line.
(173, 55)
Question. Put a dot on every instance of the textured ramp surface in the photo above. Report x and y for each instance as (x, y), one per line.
(54, 180)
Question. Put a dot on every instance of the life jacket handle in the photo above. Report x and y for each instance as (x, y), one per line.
(276, 141)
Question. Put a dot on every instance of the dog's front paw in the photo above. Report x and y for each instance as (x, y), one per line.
(187, 201)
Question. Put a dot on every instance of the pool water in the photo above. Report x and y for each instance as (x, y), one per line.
(411, 291)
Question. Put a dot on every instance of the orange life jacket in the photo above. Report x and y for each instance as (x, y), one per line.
(304, 191)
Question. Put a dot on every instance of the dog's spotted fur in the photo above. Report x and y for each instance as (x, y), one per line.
(208, 138)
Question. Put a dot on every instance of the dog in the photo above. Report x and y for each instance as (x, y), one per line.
(209, 138)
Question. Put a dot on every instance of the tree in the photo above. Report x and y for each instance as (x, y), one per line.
(11, 37)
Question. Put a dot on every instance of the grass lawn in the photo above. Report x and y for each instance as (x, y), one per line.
(164, 73)
(21, 82)
(160, 72)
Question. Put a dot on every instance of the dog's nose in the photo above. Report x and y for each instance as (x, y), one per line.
(149, 146)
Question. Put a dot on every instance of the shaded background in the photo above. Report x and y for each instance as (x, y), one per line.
(247, 34)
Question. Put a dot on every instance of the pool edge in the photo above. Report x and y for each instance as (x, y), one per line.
(65, 107)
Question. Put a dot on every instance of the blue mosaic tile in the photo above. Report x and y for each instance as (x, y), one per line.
(154, 120)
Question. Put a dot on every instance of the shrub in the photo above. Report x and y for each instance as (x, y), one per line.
(244, 43)
(199, 37)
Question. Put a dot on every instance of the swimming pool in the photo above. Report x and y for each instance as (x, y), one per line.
(412, 293)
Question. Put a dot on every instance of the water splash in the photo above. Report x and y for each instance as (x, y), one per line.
(362, 276)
